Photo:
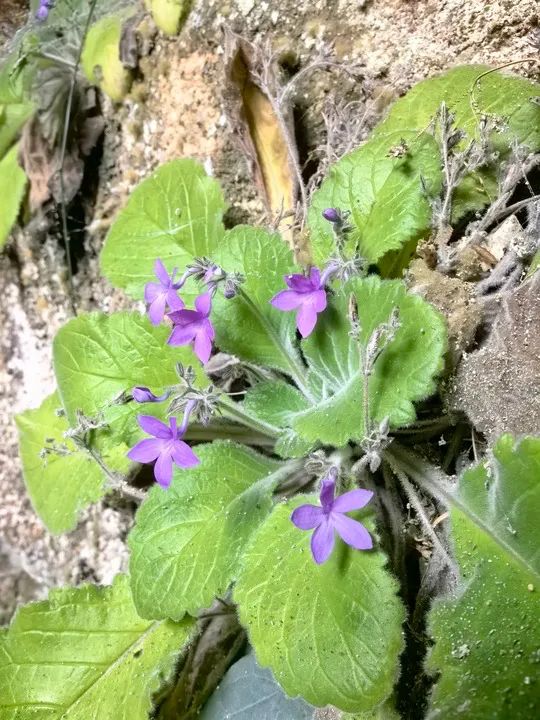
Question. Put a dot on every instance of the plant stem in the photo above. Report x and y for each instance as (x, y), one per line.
(297, 370)
(67, 120)
(236, 412)
(116, 482)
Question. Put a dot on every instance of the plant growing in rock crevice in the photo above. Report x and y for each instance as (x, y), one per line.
(337, 370)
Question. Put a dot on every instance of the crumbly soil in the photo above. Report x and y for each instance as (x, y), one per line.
(176, 109)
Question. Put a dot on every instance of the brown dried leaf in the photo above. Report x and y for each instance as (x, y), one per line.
(498, 385)
(256, 126)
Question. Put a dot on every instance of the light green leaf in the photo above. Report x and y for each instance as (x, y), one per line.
(12, 188)
(85, 653)
(330, 633)
(97, 357)
(258, 333)
(59, 485)
(249, 691)
(175, 214)
(404, 373)
(469, 96)
(12, 118)
(188, 539)
(169, 15)
(487, 637)
(100, 59)
(276, 403)
(384, 195)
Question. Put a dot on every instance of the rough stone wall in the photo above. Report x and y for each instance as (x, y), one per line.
(175, 111)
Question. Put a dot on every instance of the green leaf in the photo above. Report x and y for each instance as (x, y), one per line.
(249, 691)
(100, 59)
(276, 403)
(12, 118)
(175, 214)
(257, 332)
(12, 189)
(85, 653)
(404, 372)
(330, 633)
(59, 485)
(487, 635)
(187, 541)
(384, 195)
(97, 357)
(469, 96)
(169, 14)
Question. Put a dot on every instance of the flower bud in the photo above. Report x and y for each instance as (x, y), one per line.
(332, 215)
(143, 395)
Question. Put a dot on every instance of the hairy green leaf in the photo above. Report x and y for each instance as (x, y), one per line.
(175, 214)
(330, 633)
(85, 653)
(276, 403)
(12, 188)
(251, 328)
(187, 541)
(97, 357)
(249, 691)
(12, 118)
(404, 372)
(384, 195)
(487, 636)
(60, 484)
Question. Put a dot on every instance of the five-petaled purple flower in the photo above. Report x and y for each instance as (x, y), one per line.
(330, 518)
(194, 326)
(166, 447)
(305, 294)
(159, 295)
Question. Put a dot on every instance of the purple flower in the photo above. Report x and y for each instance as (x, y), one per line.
(331, 517)
(166, 447)
(143, 394)
(193, 326)
(42, 13)
(159, 295)
(307, 295)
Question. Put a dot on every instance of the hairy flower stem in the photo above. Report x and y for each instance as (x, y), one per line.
(228, 432)
(296, 369)
(419, 509)
(235, 411)
(116, 481)
(63, 148)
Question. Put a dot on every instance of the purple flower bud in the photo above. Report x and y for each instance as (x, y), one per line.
(42, 13)
(332, 215)
(143, 394)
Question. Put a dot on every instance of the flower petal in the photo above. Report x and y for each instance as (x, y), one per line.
(286, 300)
(352, 500)
(315, 277)
(163, 469)
(299, 283)
(182, 335)
(328, 487)
(156, 311)
(307, 517)
(146, 451)
(184, 317)
(318, 300)
(183, 455)
(203, 304)
(151, 291)
(306, 319)
(351, 531)
(173, 301)
(322, 542)
(161, 273)
(153, 426)
(202, 346)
